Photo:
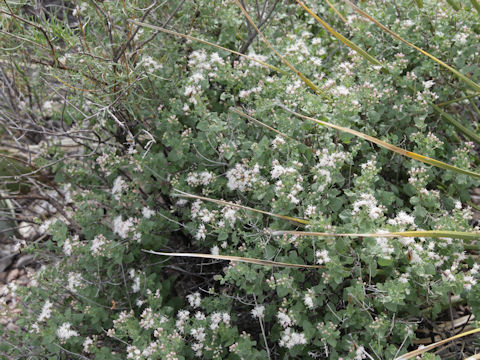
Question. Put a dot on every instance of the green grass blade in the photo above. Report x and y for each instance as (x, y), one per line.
(237, 259)
(385, 145)
(462, 77)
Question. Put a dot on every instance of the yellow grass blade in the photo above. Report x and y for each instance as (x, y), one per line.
(462, 77)
(174, 33)
(417, 352)
(315, 88)
(237, 259)
(387, 146)
(340, 37)
(339, 14)
(233, 205)
(421, 233)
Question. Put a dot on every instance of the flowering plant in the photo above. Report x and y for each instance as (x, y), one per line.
(188, 148)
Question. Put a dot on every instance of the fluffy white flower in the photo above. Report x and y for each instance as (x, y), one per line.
(122, 228)
(284, 319)
(308, 301)
(242, 178)
(86, 345)
(46, 311)
(64, 332)
(147, 212)
(97, 244)
(290, 338)
(74, 281)
(322, 256)
(257, 311)
(201, 232)
(194, 299)
(369, 203)
(118, 187)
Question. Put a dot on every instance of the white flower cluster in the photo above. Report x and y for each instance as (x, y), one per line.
(147, 212)
(216, 318)
(242, 178)
(327, 162)
(255, 90)
(258, 311)
(135, 279)
(290, 338)
(150, 64)
(402, 219)
(69, 244)
(284, 320)
(278, 170)
(194, 300)
(278, 141)
(148, 319)
(98, 245)
(74, 281)
(64, 332)
(204, 178)
(119, 186)
(369, 203)
(124, 228)
(322, 256)
(308, 299)
(385, 245)
(46, 311)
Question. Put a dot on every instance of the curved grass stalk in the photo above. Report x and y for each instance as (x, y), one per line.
(335, 10)
(192, 38)
(230, 204)
(471, 236)
(385, 145)
(417, 352)
(307, 81)
(458, 74)
(237, 259)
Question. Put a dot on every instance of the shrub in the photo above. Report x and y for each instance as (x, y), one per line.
(152, 116)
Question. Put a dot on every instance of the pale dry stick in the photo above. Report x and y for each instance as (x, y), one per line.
(262, 327)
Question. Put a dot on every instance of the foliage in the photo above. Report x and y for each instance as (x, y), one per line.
(152, 113)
